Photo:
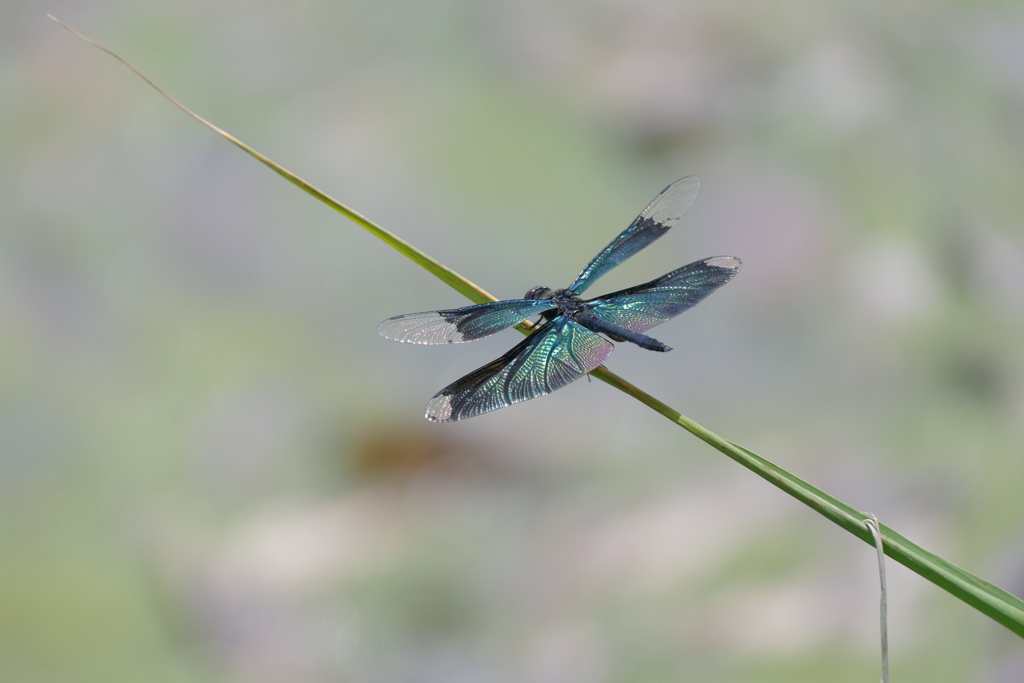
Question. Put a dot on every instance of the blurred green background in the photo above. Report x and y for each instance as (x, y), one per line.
(213, 469)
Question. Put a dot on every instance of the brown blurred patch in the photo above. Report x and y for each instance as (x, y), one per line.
(387, 452)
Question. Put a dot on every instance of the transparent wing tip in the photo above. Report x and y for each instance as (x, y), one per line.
(724, 262)
(430, 327)
(690, 182)
(387, 329)
(684, 187)
(440, 409)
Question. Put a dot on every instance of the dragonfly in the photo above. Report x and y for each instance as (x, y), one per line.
(571, 337)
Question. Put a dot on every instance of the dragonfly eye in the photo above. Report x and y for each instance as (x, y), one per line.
(539, 293)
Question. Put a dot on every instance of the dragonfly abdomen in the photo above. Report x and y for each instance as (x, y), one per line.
(595, 324)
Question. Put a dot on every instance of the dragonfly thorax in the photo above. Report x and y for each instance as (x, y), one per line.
(566, 303)
(572, 307)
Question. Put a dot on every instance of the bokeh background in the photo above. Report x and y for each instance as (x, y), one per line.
(213, 469)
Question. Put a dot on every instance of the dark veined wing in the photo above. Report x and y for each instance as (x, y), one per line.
(642, 307)
(461, 324)
(653, 222)
(557, 354)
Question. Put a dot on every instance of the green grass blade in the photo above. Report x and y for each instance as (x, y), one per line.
(997, 603)
(447, 275)
(1000, 605)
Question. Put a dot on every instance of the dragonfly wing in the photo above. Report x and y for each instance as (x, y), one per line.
(644, 306)
(653, 222)
(460, 324)
(557, 354)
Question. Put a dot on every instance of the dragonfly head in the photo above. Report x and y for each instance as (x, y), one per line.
(539, 293)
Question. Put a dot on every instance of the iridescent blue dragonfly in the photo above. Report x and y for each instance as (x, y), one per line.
(567, 344)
